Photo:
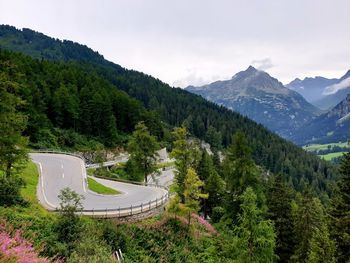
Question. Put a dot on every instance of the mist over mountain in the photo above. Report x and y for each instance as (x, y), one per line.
(322, 92)
(333, 126)
(259, 96)
(334, 94)
(311, 88)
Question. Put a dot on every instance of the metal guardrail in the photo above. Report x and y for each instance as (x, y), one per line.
(107, 163)
(58, 152)
(132, 182)
(87, 165)
(120, 211)
(126, 211)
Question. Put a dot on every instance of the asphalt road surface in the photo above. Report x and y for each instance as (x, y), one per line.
(58, 171)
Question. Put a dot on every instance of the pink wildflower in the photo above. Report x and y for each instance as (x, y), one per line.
(204, 223)
(18, 248)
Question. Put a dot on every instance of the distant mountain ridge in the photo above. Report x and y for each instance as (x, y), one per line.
(311, 88)
(333, 126)
(322, 92)
(342, 88)
(262, 98)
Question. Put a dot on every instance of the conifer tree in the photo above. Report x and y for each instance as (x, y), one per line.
(192, 193)
(240, 172)
(279, 201)
(311, 231)
(12, 123)
(184, 159)
(255, 236)
(213, 183)
(340, 212)
(142, 148)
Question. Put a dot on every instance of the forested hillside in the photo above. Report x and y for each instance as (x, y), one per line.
(68, 107)
(174, 106)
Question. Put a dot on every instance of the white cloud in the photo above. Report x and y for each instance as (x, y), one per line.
(163, 38)
(262, 64)
(336, 87)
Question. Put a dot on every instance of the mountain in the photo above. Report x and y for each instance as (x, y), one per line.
(259, 96)
(322, 92)
(311, 88)
(333, 126)
(170, 106)
(335, 93)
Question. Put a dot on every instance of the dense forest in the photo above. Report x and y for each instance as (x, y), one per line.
(170, 106)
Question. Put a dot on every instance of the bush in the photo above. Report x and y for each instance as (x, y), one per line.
(91, 249)
(217, 214)
(10, 191)
(134, 173)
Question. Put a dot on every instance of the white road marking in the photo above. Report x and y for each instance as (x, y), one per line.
(83, 172)
(63, 175)
(42, 184)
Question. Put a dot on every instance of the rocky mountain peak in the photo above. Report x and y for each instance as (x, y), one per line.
(249, 72)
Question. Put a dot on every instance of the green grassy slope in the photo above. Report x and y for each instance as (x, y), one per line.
(100, 188)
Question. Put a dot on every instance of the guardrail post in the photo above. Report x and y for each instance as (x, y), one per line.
(156, 202)
(141, 207)
(149, 205)
(131, 209)
(119, 211)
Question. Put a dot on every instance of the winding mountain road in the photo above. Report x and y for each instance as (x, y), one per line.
(58, 171)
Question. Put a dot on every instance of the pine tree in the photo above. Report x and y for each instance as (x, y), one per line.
(184, 159)
(192, 193)
(340, 212)
(313, 243)
(279, 201)
(13, 152)
(213, 183)
(322, 248)
(240, 172)
(142, 148)
(255, 236)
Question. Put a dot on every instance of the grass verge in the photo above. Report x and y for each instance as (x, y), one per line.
(101, 189)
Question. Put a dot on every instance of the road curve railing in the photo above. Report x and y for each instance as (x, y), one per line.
(117, 212)
(121, 158)
(129, 211)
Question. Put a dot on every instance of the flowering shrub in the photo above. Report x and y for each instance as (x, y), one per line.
(183, 220)
(17, 249)
(204, 223)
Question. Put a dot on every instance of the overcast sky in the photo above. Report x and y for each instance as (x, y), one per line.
(193, 42)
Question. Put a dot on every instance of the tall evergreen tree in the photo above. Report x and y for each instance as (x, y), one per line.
(12, 123)
(256, 237)
(184, 159)
(340, 212)
(213, 183)
(311, 230)
(240, 172)
(143, 150)
(279, 200)
(192, 193)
